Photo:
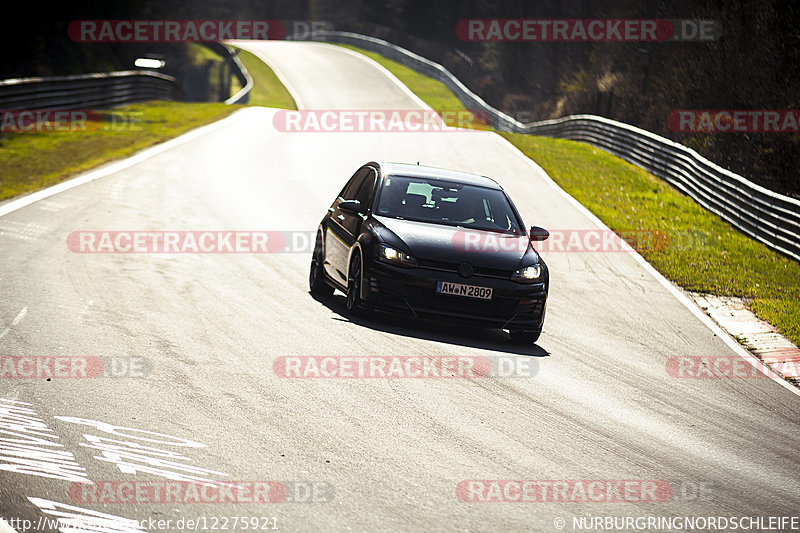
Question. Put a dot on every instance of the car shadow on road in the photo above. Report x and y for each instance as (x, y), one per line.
(471, 336)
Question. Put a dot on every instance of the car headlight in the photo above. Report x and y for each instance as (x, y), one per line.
(388, 254)
(528, 273)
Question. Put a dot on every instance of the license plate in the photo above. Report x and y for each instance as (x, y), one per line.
(459, 289)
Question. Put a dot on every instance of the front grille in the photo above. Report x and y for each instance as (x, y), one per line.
(438, 265)
(453, 267)
(493, 272)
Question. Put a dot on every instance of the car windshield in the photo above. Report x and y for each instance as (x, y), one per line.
(445, 202)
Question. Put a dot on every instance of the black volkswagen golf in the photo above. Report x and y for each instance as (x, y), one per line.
(432, 243)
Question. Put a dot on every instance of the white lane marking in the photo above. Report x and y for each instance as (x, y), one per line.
(408, 92)
(298, 101)
(111, 168)
(70, 518)
(732, 343)
(402, 86)
(31, 450)
(394, 79)
(130, 433)
(133, 457)
(278, 72)
(14, 322)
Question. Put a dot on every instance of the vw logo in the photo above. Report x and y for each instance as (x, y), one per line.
(465, 270)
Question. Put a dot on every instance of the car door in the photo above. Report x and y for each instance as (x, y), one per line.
(365, 194)
(338, 234)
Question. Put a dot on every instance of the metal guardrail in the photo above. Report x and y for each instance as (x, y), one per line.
(764, 215)
(110, 89)
(244, 77)
(88, 91)
(239, 71)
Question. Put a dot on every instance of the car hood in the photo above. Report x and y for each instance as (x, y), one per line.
(435, 242)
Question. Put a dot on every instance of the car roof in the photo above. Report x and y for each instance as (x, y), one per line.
(414, 171)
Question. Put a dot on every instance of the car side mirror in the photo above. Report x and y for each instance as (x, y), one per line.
(539, 234)
(351, 206)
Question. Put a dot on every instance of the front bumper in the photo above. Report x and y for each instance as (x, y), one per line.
(412, 292)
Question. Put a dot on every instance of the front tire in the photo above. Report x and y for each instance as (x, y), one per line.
(525, 337)
(316, 275)
(353, 302)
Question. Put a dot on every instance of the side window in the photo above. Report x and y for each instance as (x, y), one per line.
(350, 190)
(365, 193)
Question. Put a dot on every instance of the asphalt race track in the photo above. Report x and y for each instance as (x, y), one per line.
(381, 454)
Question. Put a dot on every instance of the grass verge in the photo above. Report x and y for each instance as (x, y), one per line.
(34, 160)
(267, 88)
(697, 250)
(700, 251)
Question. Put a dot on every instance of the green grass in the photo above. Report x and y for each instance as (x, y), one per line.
(692, 247)
(697, 250)
(34, 160)
(267, 89)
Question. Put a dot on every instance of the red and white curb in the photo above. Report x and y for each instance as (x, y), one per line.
(756, 335)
